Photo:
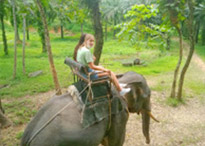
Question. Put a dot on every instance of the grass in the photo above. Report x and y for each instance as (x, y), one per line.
(158, 68)
(174, 102)
(114, 53)
(200, 50)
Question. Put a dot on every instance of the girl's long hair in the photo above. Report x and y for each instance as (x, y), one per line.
(81, 41)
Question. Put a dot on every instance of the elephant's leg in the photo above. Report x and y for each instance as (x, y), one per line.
(116, 135)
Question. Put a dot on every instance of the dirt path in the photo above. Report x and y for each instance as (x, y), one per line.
(180, 126)
(183, 125)
(199, 62)
(196, 59)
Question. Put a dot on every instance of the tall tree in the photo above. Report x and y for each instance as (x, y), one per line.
(41, 32)
(93, 5)
(15, 40)
(191, 26)
(175, 12)
(48, 45)
(27, 29)
(2, 13)
(18, 20)
(24, 43)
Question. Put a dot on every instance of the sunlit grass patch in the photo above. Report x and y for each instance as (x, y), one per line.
(19, 111)
(200, 50)
(174, 102)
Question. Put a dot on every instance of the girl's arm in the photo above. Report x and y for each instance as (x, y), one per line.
(95, 67)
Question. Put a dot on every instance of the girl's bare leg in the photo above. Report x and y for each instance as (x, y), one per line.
(113, 78)
(115, 81)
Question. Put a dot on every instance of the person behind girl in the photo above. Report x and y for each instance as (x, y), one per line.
(83, 55)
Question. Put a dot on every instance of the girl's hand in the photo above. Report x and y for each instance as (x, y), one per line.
(106, 70)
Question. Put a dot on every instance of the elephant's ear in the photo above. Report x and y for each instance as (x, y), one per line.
(140, 89)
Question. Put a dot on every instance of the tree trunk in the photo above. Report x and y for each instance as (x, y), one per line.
(18, 36)
(114, 30)
(173, 90)
(24, 43)
(190, 22)
(203, 34)
(41, 33)
(106, 30)
(168, 41)
(15, 41)
(27, 29)
(62, 34)
(43, 41)
(98, 31)
(50, 56)
(81, 28)
(3, 28)
(197, 31)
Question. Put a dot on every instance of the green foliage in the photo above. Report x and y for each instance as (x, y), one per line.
(21, 110)
(140, 26)
(19, 135)
(200, 50)
(63, 9)
(173, 102)
(24, 85)
(174, 10)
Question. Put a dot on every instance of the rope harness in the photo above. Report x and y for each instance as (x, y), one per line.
(68, 104)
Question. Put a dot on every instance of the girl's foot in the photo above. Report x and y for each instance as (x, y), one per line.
(124, 91)
(123, 85)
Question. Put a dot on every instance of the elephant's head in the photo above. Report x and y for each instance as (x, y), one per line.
(138, 99)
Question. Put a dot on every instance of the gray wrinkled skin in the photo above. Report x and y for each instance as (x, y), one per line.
(66, 130)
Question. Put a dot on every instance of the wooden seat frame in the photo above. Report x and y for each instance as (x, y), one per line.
(78, 70)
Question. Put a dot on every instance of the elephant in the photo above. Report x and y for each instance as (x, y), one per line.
(66, 129)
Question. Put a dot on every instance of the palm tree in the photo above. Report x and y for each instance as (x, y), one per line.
(63, 11)
(113, 10)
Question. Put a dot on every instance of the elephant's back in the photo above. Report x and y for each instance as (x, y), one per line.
(58, 114)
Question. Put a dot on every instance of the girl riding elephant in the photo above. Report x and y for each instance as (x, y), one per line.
(83, 55)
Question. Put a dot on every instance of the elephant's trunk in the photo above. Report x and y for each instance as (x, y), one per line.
(145, 125)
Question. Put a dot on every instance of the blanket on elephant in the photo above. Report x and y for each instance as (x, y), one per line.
(98, 109)
(98, 90)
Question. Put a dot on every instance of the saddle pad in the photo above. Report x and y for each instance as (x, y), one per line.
(98, 109)
(99, 90)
